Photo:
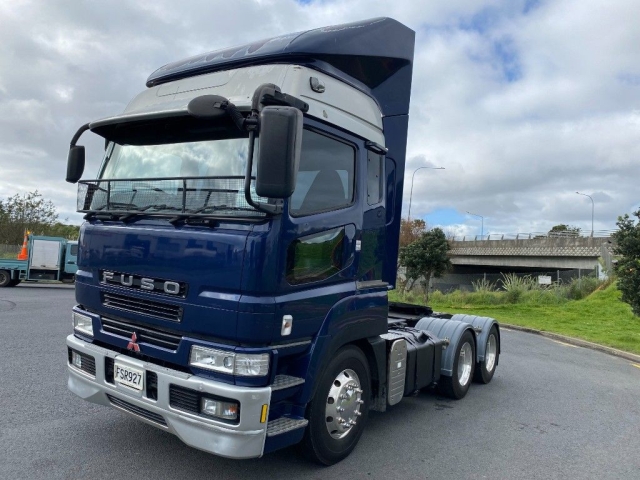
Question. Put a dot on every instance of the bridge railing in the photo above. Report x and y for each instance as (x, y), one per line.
(530, 235)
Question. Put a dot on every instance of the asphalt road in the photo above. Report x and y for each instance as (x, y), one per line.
(551, 411)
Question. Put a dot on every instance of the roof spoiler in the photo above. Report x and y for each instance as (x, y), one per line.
(375, 56)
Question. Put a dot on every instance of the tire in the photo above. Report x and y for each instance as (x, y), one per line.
(485, 370)
(15, 282)
(5, 278)
(326, 439)
(457, 385)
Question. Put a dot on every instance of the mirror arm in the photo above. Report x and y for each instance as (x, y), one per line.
(80, 131)
(262, 207)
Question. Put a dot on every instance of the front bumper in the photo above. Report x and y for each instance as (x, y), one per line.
(244, 440)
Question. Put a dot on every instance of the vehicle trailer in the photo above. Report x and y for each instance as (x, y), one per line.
(239, 244)
(48, 258)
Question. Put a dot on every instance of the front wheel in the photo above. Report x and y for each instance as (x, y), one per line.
(5, 278)
(338, 411)
(457, 385)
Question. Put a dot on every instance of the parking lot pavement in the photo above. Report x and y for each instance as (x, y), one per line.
(552, 411)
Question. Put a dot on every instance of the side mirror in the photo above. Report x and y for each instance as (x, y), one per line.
(75, 163)
(279, 151)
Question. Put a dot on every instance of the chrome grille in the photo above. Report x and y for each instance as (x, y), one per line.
(148, 335)
(144, 307)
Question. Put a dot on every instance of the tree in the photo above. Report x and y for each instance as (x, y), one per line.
(70, 232)
(627, 240)
(32, 212)
(563, 230)
(426, 257)
(411, 230)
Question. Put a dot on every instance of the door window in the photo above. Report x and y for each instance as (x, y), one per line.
(325, 176)
(315, 257)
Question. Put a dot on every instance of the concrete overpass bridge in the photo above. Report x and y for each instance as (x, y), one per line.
(545, 253)
(561, 258)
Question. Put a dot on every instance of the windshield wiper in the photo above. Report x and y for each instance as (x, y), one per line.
(159, 206)
(217, 208)
(143, 210)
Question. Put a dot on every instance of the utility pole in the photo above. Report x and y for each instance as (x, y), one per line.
(412, 178)
(592, 209)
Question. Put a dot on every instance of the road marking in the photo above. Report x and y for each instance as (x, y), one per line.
(567, 344)
(635, 365)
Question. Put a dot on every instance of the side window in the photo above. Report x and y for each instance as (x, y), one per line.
(374, 178)
(325, 176)
(315, 257)
(73, 250)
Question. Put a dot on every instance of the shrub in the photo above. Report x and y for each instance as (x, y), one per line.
(579, 288)
(483, 285)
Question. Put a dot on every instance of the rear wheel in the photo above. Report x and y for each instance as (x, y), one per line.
(5, 278)
(485, 370)
(339, 409)
(457, 385)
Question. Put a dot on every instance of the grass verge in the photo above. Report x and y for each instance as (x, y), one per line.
(600, 318)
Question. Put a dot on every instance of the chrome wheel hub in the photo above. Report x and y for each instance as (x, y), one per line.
(490, 354)
(465, 362)
(343, 404)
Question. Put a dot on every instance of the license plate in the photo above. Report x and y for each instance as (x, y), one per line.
(128, 376)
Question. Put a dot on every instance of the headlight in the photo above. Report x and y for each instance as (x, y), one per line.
(252, 365)
(210, 359)
(228, 362)
(82, 324)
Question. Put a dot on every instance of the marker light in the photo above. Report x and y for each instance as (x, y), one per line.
(82, 324)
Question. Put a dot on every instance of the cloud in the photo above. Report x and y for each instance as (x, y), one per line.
(523, 102)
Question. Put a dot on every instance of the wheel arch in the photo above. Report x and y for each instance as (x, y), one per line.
(449, 329)
(482, 326)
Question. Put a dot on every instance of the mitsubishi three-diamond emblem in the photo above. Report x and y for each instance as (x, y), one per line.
(133, 345)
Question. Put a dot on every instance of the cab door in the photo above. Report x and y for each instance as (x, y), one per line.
(71, 258)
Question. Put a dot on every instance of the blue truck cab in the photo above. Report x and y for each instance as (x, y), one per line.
(239, 244)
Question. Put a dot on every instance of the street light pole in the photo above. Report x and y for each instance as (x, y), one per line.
(412, 178)
(481, 223)
(592, 209)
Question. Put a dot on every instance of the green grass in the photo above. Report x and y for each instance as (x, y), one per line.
(600, 317)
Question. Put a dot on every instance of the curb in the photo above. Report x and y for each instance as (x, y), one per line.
(577, 342)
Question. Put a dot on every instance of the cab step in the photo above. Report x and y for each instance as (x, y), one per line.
(286, 381)
(285, 424)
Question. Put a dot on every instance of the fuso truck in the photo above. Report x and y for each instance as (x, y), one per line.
(43, 258)
(239, 243)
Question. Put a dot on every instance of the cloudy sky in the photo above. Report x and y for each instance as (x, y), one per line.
(523, 102)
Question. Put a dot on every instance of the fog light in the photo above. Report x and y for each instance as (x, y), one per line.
(219, 409)
(76, 359)
(82, 324)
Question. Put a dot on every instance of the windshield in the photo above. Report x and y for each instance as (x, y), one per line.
(197, 177)
(212, 158)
